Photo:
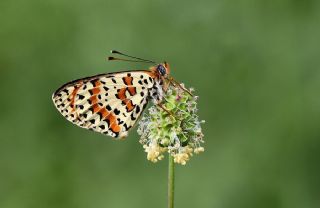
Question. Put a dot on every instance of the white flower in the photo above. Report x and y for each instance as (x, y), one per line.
(198, 150)
(181, 158)
(154, 151)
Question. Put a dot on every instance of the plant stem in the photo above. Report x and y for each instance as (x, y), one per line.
(171, 182)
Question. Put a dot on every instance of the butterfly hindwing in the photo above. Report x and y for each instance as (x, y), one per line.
(106, 103)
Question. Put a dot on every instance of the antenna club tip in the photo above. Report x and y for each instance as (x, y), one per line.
(113, 51)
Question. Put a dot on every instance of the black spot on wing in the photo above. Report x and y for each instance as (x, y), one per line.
(126, 127)
(120, 121)
(81, 97)
(93, 82)
(116, 111)
(100, 115)
(108, 121)
(137, 109)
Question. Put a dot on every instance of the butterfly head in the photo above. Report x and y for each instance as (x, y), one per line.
(163, 69)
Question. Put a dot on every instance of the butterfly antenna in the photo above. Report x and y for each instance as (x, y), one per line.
(111, 58)
(141, 59)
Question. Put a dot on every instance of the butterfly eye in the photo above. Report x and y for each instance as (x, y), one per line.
(161, 70)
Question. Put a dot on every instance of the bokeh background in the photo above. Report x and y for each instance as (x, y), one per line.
(254, 64)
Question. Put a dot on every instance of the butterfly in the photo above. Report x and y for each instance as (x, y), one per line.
(111, 103)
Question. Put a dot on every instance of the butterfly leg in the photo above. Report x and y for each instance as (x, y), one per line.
(166, 110)
(177, 84)
(166, 84)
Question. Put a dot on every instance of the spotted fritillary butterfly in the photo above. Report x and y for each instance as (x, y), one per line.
(111, 103)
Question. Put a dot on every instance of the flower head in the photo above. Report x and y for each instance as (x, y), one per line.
(176, 130)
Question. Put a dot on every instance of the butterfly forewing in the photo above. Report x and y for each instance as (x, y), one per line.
(107, 103)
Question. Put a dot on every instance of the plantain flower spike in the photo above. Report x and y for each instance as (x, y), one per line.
(176, 130)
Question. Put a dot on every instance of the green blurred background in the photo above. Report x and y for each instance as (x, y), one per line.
(254, 64)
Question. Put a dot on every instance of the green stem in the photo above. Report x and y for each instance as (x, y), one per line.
(171, 182)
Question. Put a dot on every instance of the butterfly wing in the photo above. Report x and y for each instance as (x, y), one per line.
(106, 103)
